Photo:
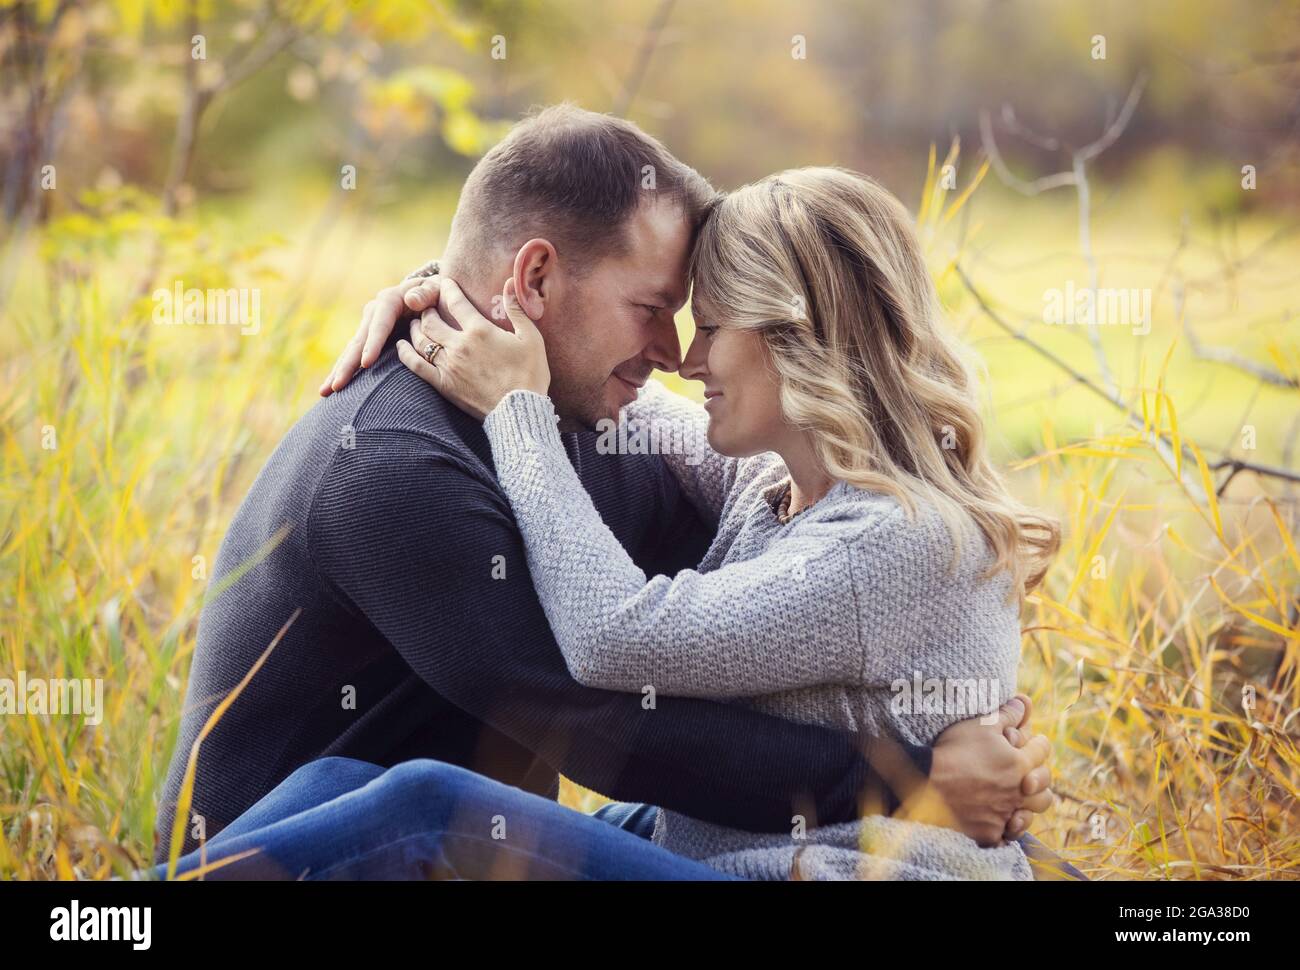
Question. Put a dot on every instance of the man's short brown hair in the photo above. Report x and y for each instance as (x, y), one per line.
(574, 177)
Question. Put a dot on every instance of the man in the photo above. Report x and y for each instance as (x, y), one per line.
(377, 556)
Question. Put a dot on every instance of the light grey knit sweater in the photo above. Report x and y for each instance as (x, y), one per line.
(849, 615)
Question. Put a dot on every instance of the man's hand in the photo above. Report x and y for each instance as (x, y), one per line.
(407, 299)
(987, 780)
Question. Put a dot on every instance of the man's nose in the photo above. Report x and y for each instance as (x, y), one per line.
(664, 350)
(695, 366)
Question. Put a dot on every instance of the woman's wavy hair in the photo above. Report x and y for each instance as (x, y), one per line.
(826, 265)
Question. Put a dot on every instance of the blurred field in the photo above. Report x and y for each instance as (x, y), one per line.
(1161, 655)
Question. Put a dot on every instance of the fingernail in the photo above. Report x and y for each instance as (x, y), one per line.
(1016, 706)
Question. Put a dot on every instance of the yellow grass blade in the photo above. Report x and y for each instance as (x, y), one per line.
(1263, 621)
(1207, 482)
(927, 190)
(965, 194)
(186, 794)
(1285, 533)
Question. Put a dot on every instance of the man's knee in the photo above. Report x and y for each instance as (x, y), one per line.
(432, 787)
(334, 773)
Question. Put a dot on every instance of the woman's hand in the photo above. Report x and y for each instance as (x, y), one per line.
(411, 296)
(477, 365)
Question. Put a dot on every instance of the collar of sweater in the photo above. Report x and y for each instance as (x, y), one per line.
(774, 495)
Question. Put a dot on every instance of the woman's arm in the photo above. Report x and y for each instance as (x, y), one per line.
(680, 427)
(784, 620)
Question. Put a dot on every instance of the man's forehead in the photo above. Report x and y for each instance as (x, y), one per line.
(662, 226)
(652, 265)
(669, 292)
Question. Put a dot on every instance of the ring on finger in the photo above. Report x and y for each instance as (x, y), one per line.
(431, 350)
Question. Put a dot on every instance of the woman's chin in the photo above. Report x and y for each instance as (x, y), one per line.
(717, 438)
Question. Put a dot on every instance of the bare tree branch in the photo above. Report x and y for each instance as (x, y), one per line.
(1076, 176)
(1159, 441)
(1044, 184)
(1013, 124)
(642, 63)
(1116, 128)
(1237, 465)
(255, 57)
(240, 65)
(1221, 355)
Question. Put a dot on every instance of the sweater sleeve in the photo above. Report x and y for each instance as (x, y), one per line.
(750, 628)
(680, 427)
(483, 643)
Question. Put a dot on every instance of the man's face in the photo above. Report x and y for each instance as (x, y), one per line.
(615, 324)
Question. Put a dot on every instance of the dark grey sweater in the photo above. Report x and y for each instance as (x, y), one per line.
(421, 636)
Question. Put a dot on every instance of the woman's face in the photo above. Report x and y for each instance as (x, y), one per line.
(741, 389)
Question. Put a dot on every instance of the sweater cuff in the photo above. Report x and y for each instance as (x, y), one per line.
(523, 421)
(894, 769)
(921, 755)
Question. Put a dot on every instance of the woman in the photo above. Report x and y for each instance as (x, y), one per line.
(864, 539)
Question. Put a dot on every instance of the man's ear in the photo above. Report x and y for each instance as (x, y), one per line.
(535, 274)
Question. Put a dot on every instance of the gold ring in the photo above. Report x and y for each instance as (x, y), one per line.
(431, 351)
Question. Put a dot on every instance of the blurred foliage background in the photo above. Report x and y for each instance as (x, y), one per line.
(314, 151)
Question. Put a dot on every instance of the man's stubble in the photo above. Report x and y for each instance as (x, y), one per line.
(577, 392)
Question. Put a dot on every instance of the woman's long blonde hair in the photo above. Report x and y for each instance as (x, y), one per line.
(825, 264)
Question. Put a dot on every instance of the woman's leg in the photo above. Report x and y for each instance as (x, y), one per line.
(426, 819)
(634, 817)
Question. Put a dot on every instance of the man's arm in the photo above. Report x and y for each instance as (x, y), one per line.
(411, 540)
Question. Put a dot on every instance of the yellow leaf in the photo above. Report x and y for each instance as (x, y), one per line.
(927, 189)
(966, 193)
(1174, 434)
(1208, 482)
(63, 865)
(1266, 623)
(1286, 535)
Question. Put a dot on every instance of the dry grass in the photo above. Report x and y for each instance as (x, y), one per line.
(1165, 609)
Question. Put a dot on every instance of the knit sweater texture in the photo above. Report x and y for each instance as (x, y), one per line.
(853, 615)
(377, 541)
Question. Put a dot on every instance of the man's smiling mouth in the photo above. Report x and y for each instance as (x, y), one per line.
(636, 386)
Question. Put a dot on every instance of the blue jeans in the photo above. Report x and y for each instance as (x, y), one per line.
(336, 818)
